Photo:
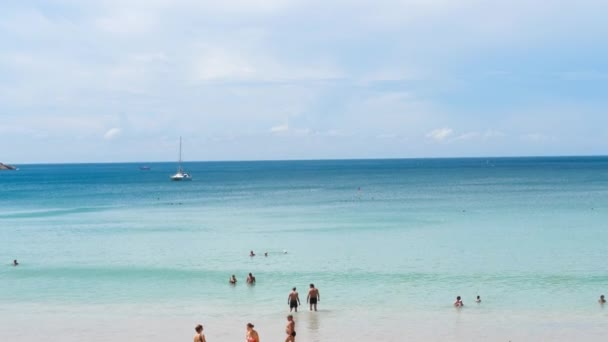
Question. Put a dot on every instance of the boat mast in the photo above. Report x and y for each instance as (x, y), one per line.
(180, 154)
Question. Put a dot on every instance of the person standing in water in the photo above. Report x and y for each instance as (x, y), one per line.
(251, 335)
(290, 329)
(602, 300)
(458, 303)
(478, 300)
(313, 297)
(199, 337)
(250, 279)
(15, 263)
(232, 280)
(293, 300)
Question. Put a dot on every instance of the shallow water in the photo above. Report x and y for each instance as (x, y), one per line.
(114, 253)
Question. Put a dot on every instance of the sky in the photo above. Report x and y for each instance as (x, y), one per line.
(116, 80)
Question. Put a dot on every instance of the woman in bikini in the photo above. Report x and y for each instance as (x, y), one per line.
(252, 335)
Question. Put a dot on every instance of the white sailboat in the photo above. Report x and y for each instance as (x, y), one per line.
(181, 175)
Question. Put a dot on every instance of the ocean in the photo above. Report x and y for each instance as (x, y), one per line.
(109, 252)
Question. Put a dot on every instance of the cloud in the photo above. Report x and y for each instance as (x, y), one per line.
(440, 134)
(112, 133)
(279, 129)
(356, 78)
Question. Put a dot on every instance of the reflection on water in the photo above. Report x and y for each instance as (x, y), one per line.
(313, 326)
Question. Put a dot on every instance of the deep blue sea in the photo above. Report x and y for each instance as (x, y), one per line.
(111, 252)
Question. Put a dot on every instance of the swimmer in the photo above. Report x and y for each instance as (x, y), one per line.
(478, 300)
(251, 254)
(232, 280)
(313, 297)
(458, 303)
(602, 300)
(251, 335)
(293, 300)
(15, 263)
(284, 251)
(199, 337)
(266, 254)
(250, 279)
(290, 329)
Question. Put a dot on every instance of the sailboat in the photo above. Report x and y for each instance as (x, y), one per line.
(181, 175)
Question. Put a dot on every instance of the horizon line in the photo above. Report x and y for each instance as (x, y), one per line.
(313, 159)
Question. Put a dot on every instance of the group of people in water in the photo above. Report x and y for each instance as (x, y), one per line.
(458, 303)
(252, 254)
(250, 279)
(293, 300)
(251, 335)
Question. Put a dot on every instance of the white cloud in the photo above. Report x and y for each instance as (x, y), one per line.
(112, 133)
(219, 64)
(280, 128)
(440, 134)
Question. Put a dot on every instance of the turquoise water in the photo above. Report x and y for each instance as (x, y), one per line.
(390, 243)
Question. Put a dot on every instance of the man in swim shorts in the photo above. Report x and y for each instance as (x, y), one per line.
(293, 300)
(313, 297)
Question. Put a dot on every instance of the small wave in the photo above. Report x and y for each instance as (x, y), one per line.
(50, 213)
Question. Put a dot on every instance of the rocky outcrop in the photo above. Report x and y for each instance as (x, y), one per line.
(7, 167)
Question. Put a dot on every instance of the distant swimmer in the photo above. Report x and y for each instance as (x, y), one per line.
(458, 303)
(266, 254)
(313, 297)
(232, 280)
(284, 251)
(251, 254)
(15, 263)
(293, 300)
(290, 329)
(250, 279)
(199, 337)
(251, 335)
(478, 300)
(602, 300)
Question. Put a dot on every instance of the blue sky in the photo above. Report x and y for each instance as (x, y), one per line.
(84, 81)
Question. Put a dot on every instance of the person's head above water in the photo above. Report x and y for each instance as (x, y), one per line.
(15, 262)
